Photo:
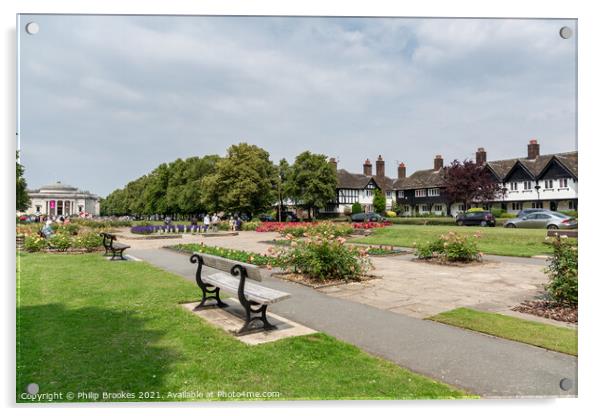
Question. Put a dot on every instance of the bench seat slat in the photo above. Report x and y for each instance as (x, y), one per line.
(225, 265)
(120, 246)
(260, 294)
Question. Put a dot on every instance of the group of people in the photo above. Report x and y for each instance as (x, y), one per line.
(210, 223)
(47, 228)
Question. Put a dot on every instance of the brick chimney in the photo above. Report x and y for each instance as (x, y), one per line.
(401, 170)
(380, 166)
(481, 156)
(367, 168)
(438, 162)
(532, 149)
(333, 162)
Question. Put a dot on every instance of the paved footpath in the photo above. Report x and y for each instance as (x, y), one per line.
(478, 363)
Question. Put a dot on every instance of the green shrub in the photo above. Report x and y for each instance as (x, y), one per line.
(356, 208)
(507, 215)
(250, 225)
(88, 241)
(451, 247)
(71, 229)
(423, 221)
(573, 214)
(60, 241)
(563, 273)
(322, 258)
(391, 214)
(228, 253)
(475, 209)
(34, 243)
(497, 212)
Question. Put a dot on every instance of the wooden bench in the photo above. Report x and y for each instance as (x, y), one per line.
(108, 241)
(253, 297)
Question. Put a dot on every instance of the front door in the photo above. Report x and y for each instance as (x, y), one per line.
(553, 206)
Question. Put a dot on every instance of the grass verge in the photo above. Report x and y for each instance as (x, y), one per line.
(547, 336)
(85, 324)
(494, 240)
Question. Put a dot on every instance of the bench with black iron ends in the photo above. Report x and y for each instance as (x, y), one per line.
(109, 243)
(253, 297)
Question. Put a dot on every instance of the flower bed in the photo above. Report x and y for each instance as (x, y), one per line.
(62, 241)
(279, 227)
(450, 247)
(151, 229)
(228, 253)
(322, 257)
(304, 229)
(370, 225)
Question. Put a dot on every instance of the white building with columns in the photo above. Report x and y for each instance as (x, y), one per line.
(59, 199)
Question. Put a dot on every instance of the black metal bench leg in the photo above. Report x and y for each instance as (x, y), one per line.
(210, 294)
(247, 328)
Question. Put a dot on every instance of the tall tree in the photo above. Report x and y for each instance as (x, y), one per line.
(379, 201)
(23, 201)
(244, 181)
(468, 182)
(284, 170)
(312, 181)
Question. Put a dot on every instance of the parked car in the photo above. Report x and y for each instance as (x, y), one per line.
(289, 216)
(550, 220)
(266, 218)
(482, 218)
(527, 211)
(368, 216)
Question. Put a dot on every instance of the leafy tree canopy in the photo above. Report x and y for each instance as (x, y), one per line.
(468, 182)
(312, 181)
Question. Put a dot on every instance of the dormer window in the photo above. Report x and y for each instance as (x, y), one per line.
(563, 183)
(420, 193)
(527, 185)
(549, 183)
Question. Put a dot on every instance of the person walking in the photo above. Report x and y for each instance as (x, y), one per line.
(206, 222)
(215, 222)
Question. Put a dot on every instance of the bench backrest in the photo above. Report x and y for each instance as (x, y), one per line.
(223, 264)
(107, 239)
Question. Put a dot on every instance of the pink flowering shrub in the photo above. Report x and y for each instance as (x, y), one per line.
(370, 225)
(322, 257)
(451, 247)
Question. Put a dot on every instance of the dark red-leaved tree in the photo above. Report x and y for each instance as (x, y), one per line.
(468, 182)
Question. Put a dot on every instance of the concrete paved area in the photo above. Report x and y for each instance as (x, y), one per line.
(412, 288)
(231, 319)
(478, 363)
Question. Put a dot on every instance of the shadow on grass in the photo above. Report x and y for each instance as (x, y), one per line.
(88, 350)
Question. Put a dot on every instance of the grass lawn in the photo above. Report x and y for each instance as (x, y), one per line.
(494, 240)
(551, 337)
(85, 324)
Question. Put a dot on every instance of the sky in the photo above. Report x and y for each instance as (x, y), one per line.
(104, 100)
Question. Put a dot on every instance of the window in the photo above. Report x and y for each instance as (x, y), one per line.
(419, 193)
(563, 183)
(389, 194)
(513, 186)
(80, 208)
(537, 205)
(348, 196)
(527, 185)
(433, 192)
(399, 194)
(437, 207)
(38, 208)
(549, 183)
(572, 205)
(406, 208)
(517, 206)
(424, 208)
(368, 192)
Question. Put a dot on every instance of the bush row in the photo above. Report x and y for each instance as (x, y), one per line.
(62, 241)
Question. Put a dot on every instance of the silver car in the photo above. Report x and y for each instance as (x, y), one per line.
(550, 220)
